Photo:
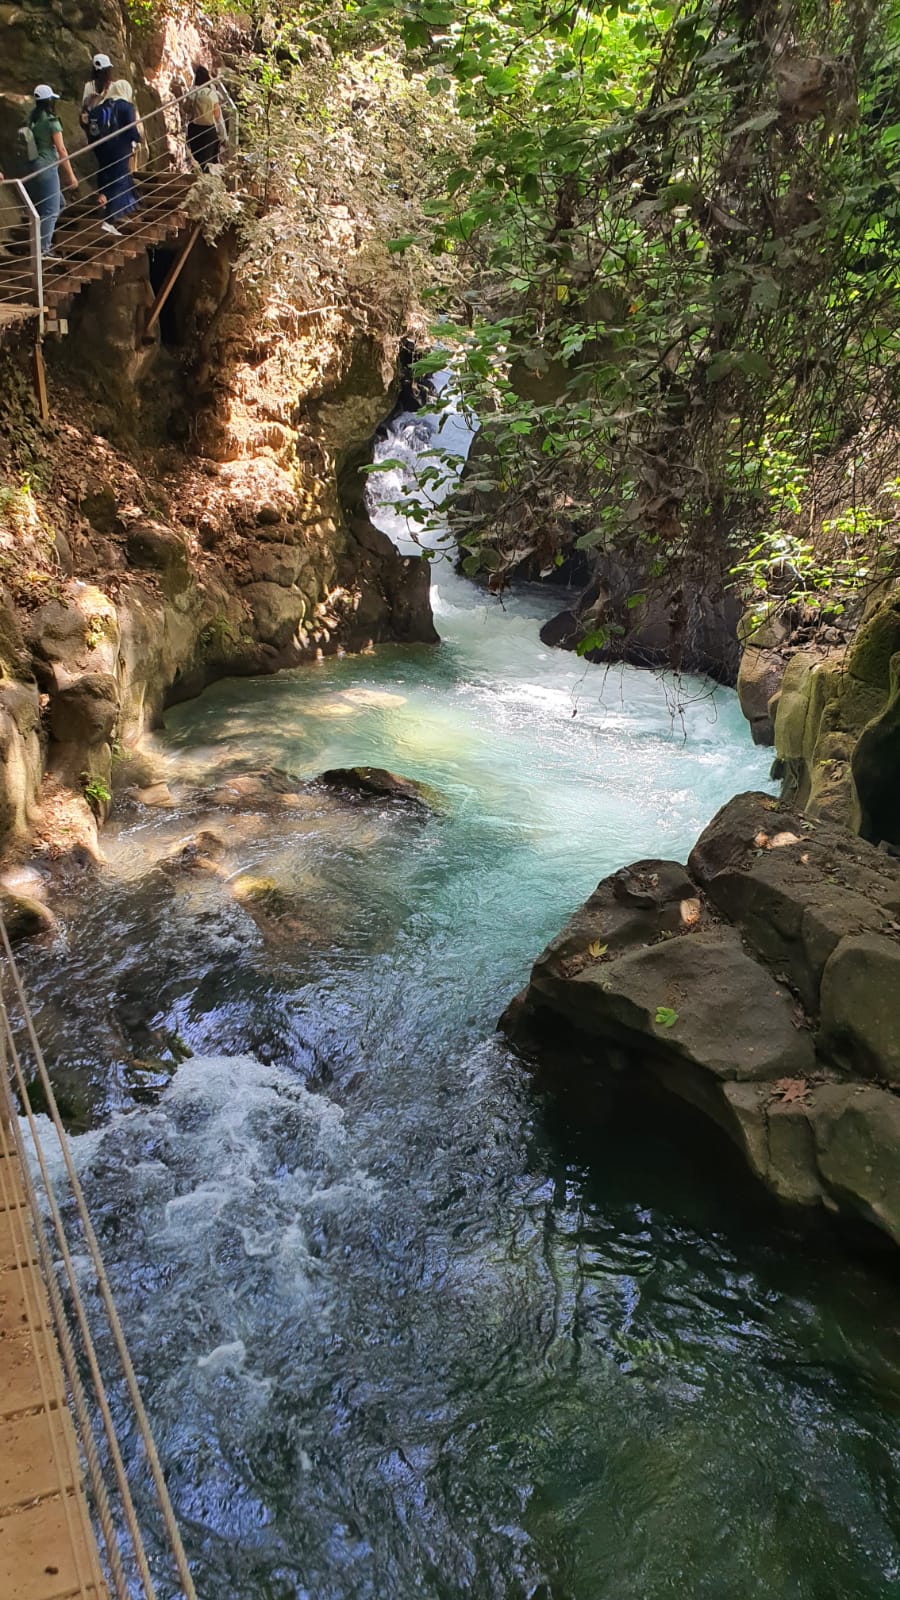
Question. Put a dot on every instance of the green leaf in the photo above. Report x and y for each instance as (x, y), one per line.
(766, 293)
(754, 364)
(665, 1017)
(397, 246)
(755, 124)
(597, 639)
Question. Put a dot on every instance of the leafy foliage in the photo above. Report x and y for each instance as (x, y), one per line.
(678, 229)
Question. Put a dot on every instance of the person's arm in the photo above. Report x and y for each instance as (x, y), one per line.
(65, 165)
(221, 124)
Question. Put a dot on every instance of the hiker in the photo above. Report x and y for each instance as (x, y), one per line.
(96, 86)
(48, 160)
(116, 189)
(96, 111)
(207, 135)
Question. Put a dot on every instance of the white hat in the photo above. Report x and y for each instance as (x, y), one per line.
(100, 61)
(44, 92)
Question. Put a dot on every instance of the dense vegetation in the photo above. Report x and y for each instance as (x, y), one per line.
(661, 242)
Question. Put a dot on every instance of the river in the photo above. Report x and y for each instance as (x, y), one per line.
(404, 1334)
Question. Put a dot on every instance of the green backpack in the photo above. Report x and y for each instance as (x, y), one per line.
(26, 143)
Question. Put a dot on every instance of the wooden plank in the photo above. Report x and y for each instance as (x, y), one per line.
(37, 1559)
(170, 280)
(13, 1309)
(34, 1457)
(20, 1378)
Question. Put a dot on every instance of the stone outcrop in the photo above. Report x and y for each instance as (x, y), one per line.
(693, 629)
(761, 984)
(837, 728)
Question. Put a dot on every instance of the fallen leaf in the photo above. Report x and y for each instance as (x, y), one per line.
(790, 1091)
(596, 949)
(805, 858)
(762, 841)
(779, 840)
(690, 912)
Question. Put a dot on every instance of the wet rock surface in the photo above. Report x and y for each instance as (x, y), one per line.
(761, 984)
(376, 783)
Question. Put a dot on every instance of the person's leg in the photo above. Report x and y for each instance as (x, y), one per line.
(54, 207)
(43, 186)
(210, 148)
(116, 190)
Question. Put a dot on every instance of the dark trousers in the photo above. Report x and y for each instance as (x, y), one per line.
(203, 143)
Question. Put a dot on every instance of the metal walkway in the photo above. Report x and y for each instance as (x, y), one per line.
(34, 289)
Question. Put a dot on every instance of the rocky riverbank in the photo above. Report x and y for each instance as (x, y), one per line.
(759, 983)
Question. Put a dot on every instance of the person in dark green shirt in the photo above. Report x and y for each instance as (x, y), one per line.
(49, 165)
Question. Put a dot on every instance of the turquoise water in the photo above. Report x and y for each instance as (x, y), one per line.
(402, 1330)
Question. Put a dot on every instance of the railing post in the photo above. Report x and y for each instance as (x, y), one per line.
(235, 129)
(37, 266)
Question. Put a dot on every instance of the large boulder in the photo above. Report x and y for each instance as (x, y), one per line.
(760, 985)
(794, 887)
(738, 1023)
(861, 1005)
(624, 972)
(857, 1135)
(837, 727)
(160, 550)
(759, 681)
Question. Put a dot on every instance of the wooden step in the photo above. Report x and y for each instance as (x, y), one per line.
(85, 252)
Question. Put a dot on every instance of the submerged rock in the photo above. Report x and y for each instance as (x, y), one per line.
(202, 853)
(761, 984)
(376, 783)
(24, 917)
(266, 789)
(282, 915)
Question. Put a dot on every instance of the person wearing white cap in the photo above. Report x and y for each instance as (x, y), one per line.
(51, 159)
(97, 84)
(102, 116)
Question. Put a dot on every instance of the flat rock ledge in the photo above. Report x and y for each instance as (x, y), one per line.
(761, 984)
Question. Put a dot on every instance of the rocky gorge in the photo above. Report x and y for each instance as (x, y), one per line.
(197, 511)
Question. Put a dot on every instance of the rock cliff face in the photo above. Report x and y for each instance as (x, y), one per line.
(830, 708)
(760, 984)
(195, 508)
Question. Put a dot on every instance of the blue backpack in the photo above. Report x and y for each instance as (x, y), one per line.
(102, 119)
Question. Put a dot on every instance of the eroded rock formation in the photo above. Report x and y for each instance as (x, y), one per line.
(761, 984)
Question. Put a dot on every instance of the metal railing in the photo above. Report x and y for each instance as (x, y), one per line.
(161, 165)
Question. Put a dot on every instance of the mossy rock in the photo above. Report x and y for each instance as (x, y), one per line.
(877, 642)
(262, 894)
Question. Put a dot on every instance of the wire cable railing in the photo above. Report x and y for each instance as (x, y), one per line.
(62, 1275)
(92, 225)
